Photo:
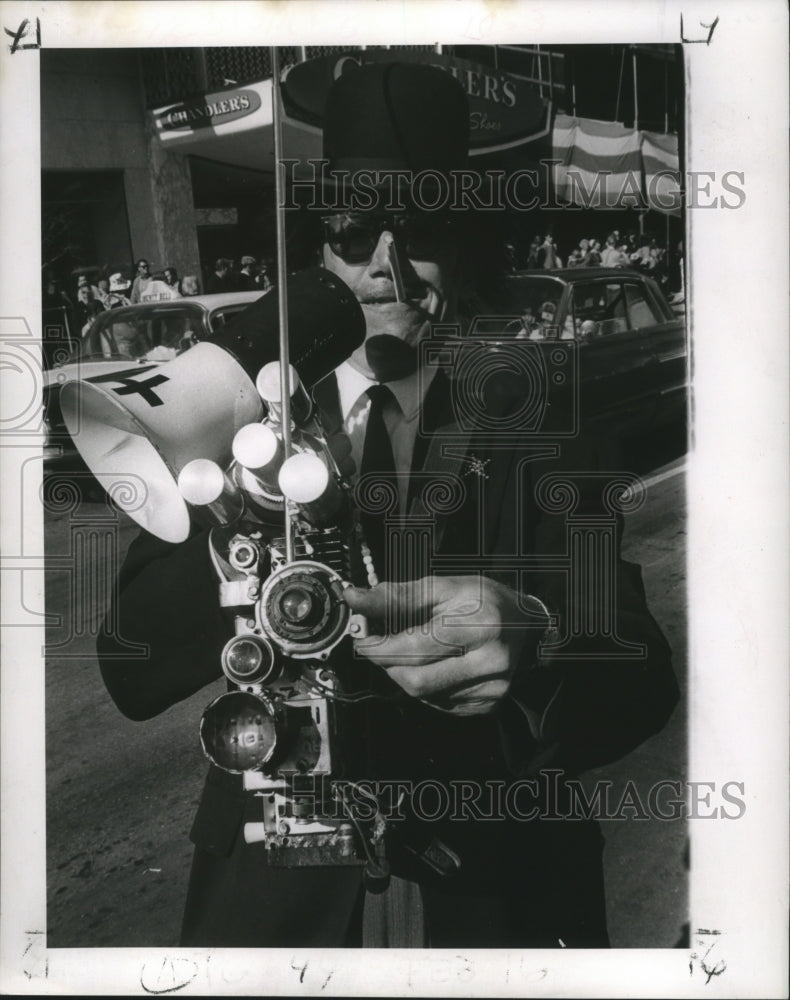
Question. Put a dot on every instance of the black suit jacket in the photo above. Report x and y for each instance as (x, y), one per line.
(583, 708)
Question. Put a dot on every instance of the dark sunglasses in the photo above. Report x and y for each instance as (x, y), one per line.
(354, 236)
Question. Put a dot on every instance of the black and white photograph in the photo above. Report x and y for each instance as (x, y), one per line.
(394, 522)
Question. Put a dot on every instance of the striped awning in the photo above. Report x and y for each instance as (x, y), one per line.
(606, 165)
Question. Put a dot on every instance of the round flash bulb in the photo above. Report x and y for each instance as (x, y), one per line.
(255, 446)
(303, 478)
(268, 382)
(201, 481)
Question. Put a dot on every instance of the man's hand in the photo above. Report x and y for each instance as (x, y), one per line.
(454, 642)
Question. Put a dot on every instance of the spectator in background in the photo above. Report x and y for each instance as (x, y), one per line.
(189, 285)
(578, 256)
(263, 278)
(171, 278)
(117, 295)
(158, 290)
(546, 328)
(676, 278)
(102, 291)
(640, 256)
(86, 309)
(593, 258)
(84, 282)
(58, 312)
(54, 295)
(656, 255)
(528, 325)
(532, 253)
(141, 281)
(246, 276)
(611, 255)
(588, 330)
(547, 254)
(221, 279)
(623, 258)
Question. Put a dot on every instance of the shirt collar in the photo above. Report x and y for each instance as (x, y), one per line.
(409, 392)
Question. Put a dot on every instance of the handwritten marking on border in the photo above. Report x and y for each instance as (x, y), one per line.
(23, 31)
(698, 41)
(35, 961)
(167, 976)
(702, 959)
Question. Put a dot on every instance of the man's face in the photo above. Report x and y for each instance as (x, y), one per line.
(142, 268)
(170, 277)
(393, 328)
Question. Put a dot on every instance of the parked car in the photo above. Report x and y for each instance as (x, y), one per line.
(146, 333)
(627, 347)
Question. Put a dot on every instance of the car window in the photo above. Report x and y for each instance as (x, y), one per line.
(641, 311)
(536, 301)
(598, 309)
(529, 291)
(220, 316)
(154, 335)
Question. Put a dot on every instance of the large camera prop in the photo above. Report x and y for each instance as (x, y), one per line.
(282, 727)
(209, 435)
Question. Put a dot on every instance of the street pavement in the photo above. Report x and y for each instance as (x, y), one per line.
(121, 795)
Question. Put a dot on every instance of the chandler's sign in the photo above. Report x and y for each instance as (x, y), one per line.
(208, 110)
(504, 111)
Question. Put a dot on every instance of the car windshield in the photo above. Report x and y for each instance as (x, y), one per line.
(144, 335)
(530, 292)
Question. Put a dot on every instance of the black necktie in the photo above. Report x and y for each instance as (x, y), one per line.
(378, 462)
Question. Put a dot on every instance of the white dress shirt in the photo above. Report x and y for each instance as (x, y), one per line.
(401, 415)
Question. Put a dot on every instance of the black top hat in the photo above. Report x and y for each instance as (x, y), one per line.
(396, 116)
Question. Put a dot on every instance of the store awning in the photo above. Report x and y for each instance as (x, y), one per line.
(596, 164)
(232, 126)
(606, 165)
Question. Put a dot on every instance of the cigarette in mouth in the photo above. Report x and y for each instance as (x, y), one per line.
(397, 278)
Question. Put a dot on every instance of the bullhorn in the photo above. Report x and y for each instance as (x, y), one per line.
(152, 421)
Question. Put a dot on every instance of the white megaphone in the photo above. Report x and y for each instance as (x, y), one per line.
(151, 421)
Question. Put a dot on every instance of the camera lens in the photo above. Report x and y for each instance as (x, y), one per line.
(301, 607)
(238, 732)
(297, 605)
(249, 660)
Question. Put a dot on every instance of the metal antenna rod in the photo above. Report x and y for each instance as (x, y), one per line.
(282, 271)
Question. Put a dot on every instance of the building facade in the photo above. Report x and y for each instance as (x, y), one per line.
(116, 186)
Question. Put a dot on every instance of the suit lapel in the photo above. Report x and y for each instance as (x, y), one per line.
(439, 450)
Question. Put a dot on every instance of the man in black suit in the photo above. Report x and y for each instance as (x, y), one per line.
(221, 278)
(472, 699)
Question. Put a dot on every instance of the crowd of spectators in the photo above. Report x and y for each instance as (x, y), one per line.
(91, 294)
(251, 275)
(632, 250)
